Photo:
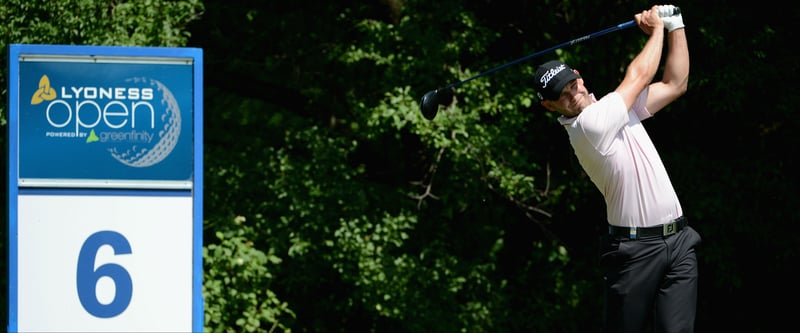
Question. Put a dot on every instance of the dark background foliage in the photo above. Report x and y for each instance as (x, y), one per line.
(352, 213)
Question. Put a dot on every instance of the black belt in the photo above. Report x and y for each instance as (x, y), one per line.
(662, 230)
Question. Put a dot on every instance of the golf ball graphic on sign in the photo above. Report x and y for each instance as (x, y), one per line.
(141, 155)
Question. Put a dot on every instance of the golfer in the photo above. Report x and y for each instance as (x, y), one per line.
(648, 257)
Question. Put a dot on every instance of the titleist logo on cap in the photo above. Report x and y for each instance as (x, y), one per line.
(552, 72)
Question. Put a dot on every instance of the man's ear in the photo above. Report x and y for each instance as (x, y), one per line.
(547, 105)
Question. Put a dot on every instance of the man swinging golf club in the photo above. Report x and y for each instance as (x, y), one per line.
(648, 258)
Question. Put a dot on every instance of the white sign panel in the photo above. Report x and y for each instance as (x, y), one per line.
(118, 259)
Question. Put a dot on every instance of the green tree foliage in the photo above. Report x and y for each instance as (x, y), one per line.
(237, 284)
(480, 220)
(383, 221)
(332, 205)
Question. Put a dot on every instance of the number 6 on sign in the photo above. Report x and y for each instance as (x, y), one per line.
(88, 276)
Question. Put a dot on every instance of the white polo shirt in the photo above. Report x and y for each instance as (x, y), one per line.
(615, 151)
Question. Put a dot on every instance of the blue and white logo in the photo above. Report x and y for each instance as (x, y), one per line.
(100, 120)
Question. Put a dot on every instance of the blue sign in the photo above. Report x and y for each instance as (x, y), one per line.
(90, 118)
(105, 189)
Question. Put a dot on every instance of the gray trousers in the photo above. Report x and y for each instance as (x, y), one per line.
(653, 276)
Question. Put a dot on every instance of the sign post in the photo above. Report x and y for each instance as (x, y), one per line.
(105, 184)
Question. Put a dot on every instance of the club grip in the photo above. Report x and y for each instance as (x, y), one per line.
(666, 11)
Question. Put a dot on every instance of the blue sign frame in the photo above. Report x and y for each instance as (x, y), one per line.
(106, 120)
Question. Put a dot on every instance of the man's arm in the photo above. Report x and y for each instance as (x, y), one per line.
(675, 80)
(642, 69)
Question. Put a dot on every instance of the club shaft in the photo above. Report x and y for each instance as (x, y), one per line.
(620, 26)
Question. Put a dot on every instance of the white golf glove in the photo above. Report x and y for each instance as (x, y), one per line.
(671, 22)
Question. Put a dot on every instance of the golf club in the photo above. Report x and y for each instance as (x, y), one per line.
(430, 102)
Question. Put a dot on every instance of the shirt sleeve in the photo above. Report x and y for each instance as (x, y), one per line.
(640, 105)
(602, 121)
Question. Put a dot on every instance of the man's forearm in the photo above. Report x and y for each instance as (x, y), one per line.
(645, 65)
(676, 69)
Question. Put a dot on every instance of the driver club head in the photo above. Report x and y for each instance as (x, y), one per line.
(429, 105)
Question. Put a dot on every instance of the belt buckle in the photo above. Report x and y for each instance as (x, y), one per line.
(670, 228)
